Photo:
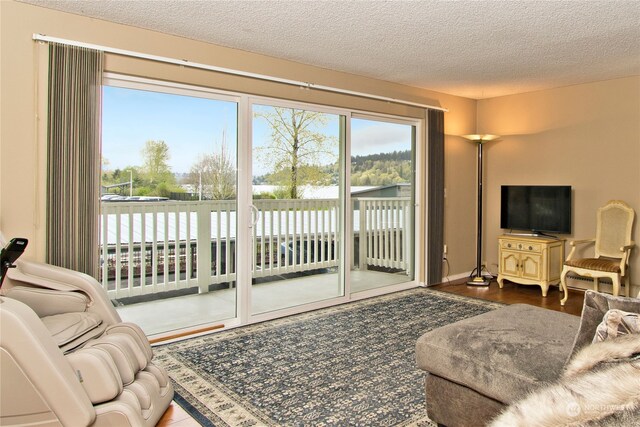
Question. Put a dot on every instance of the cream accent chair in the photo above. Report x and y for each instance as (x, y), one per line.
(612, 245)
(67, 359)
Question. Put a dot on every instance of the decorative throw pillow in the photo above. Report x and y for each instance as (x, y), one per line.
(615, 323)
(593, 310)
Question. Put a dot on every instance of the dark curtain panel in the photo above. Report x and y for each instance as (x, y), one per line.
(73, 157)
(435, 196)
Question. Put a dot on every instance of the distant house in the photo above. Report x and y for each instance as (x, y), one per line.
(393, 190)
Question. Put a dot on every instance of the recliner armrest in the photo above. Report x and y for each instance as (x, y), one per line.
(72, 330)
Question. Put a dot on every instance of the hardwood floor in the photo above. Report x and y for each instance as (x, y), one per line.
(175, 416)
(512, 293)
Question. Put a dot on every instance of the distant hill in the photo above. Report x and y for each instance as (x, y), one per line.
(369, 170)
(381, 169)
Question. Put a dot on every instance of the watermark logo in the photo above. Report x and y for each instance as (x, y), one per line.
(573, 409)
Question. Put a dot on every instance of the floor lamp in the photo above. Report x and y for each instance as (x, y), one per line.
(476, 278)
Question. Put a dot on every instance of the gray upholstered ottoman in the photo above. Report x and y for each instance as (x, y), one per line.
(479, 365)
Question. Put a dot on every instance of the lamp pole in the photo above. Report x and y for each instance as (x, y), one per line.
(476, 278)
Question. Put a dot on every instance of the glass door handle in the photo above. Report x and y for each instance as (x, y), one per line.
(254, 215)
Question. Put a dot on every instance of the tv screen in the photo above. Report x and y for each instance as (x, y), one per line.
(536, 208)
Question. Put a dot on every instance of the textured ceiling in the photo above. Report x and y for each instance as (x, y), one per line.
(476, 49)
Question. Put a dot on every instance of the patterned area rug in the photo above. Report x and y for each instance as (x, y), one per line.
(348, 365)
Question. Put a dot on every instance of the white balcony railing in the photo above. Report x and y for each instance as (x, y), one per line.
(152, 247)
(387, 237)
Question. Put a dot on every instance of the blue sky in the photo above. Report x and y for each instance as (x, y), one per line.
(189, 125)
(194, 126)
(373, 137)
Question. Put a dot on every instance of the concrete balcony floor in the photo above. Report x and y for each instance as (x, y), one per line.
(165, 315)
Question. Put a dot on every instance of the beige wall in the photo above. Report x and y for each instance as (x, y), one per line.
(22, 169)
(586, 136)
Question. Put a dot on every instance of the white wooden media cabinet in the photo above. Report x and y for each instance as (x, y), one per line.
(530, 260)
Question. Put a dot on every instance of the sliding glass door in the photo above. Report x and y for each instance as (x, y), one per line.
(187, 242)
(168, 210)
(297, 217)
(382, 197)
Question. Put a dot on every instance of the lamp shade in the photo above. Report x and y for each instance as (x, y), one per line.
(481, 138)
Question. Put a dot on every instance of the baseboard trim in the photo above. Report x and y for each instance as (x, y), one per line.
(585, 283)
(456, 277)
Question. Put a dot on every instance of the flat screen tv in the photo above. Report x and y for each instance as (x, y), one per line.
(537, 209)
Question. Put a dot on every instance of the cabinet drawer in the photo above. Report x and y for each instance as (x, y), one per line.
(521, 246)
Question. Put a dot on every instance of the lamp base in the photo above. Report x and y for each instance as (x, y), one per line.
(478, 281)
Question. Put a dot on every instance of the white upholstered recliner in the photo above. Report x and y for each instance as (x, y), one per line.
(66, 357)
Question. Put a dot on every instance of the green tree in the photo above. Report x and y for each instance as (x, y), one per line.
(153, 178)
(119, 180)
(156, 167)
(215, 174)
(296, 149)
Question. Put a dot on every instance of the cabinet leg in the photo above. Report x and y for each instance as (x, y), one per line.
(500, 282)
(545, 289)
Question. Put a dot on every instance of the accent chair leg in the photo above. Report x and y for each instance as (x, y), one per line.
(616, 285)
(563, 286)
